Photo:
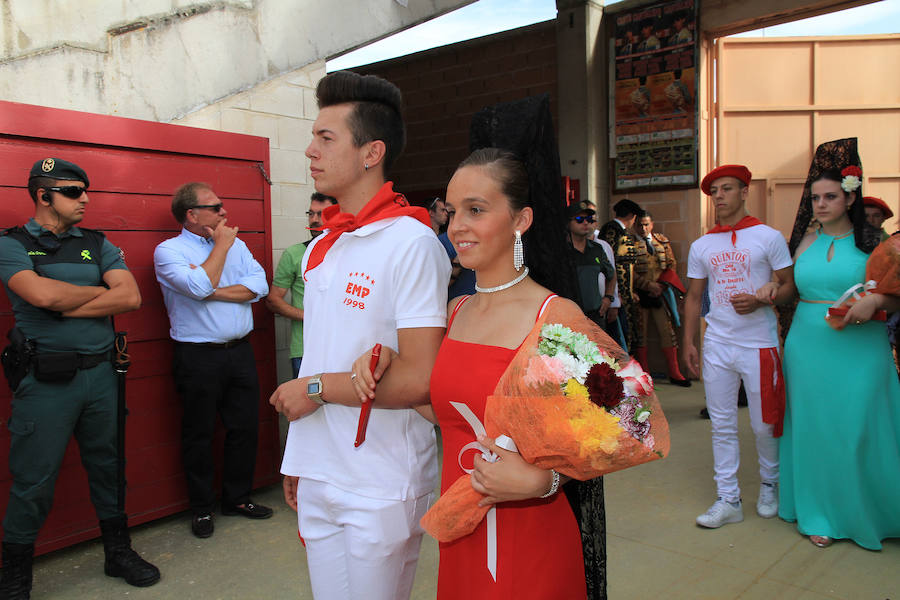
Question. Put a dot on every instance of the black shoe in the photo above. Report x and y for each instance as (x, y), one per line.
(16, 582)
(121, 560)
(704, 414)
(249, 510)
(680, 382)
(202, 525)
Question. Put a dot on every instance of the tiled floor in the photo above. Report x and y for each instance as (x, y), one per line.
(655, 549)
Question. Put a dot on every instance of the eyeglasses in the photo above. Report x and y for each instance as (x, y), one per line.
(583, 218)
(433, 203)
(213, 207)
(69, 191)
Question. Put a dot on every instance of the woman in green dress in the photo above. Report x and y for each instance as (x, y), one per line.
(840, 452)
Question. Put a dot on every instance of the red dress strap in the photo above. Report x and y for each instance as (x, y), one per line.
(540, 312)
(456, 310)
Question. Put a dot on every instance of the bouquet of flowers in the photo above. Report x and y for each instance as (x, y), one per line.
(570, 400)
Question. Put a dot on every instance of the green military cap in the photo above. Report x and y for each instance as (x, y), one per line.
(57, 168)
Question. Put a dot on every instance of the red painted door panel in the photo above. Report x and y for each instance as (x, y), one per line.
(134, 167)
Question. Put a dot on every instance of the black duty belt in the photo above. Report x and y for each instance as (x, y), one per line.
(228, 344)
(84, 361)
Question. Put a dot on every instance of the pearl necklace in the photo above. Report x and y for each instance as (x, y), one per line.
(502, 286)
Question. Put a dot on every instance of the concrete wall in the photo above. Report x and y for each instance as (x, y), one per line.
(442, 88)
(161, 59)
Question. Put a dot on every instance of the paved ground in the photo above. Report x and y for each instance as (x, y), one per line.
(655, 549)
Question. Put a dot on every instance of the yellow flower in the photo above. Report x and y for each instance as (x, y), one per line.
(573, 389)
(594, 428)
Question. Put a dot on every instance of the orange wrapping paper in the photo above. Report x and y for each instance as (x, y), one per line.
(883, 266)
(571, 435)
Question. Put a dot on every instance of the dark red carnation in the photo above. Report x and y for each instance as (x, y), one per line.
(605, 388)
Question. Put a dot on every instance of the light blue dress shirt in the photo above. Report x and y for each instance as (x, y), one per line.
(185, 289)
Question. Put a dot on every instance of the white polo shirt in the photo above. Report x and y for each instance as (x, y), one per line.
(734, 269)
(388, 275)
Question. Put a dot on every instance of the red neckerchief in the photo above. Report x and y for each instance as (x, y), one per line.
(747, 221)
(385, 204)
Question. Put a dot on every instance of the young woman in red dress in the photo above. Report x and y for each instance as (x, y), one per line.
(538, 544)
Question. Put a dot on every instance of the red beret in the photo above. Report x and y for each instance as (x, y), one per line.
(879, 204)
(739, 171)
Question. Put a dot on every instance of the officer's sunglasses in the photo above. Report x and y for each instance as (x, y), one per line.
(213, 207)
(69, 191)
(583, 218)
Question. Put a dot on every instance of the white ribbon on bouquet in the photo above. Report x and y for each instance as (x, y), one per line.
(502, 441)
(855, 291)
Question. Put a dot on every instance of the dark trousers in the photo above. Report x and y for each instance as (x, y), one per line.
(221, 380)
(44, 418)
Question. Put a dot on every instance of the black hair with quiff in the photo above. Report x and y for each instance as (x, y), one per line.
(377, 112)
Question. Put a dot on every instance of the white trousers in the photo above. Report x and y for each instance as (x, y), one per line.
(724, 367)
(359, 547)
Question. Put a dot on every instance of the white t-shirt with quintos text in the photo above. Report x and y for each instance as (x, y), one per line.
(740, 268)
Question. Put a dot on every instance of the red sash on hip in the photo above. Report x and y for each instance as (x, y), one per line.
(385, 204)
(747, 221)
(772, 390)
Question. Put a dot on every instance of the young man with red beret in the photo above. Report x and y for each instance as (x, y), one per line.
(877, 212)
(737, 258)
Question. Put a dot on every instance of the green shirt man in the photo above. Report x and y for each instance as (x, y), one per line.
(288, 276)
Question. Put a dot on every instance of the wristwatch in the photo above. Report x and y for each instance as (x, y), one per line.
(314, 389)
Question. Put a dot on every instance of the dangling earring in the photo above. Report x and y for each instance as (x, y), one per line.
(518, 252)
(366, 165)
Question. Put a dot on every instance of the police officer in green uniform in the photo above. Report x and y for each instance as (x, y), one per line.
(64, 283)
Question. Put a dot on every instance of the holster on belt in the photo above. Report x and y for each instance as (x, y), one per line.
(16, 357)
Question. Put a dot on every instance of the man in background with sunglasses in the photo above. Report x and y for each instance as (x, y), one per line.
(63, 282)
(592, 265)
(209, 279)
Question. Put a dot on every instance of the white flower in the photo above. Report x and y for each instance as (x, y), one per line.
(577, 369)
(850, 183)
(642, 415)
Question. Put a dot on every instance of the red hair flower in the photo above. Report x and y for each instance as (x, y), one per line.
(852, 178)
(605, 388)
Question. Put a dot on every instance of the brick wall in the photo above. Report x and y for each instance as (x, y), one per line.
(443, 87)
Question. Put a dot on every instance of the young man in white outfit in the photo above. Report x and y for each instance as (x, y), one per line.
(737, 257)
(377, 275)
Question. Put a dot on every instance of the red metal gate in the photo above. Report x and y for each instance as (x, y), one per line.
(134, 167)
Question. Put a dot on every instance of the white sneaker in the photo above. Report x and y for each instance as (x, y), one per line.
(721, 513)
(767, 503)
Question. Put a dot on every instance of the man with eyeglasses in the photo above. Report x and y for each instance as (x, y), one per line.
(64, 282)
(209, 279)
(596, 276)
(288, 276)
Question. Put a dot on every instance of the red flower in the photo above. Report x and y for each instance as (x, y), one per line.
(851, 170)
(605, 388)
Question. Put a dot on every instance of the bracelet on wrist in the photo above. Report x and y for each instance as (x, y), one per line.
(554, 485)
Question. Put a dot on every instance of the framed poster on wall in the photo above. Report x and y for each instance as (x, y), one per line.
(654, 96)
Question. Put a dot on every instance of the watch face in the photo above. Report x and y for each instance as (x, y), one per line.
(313, 387)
